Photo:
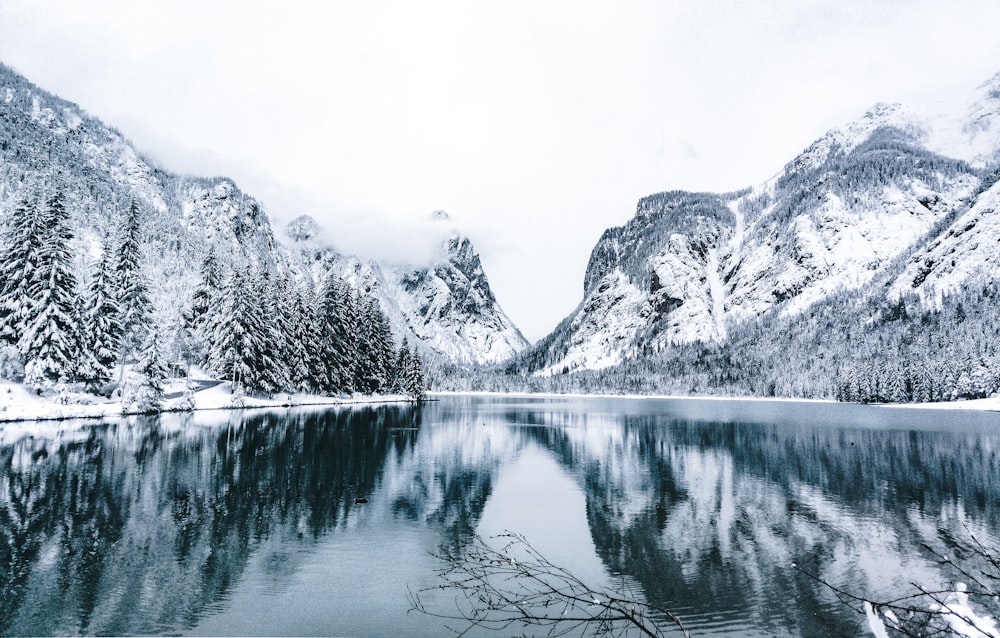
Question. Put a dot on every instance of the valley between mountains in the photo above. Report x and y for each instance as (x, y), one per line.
(864, 270)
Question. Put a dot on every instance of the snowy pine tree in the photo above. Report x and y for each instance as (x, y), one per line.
(240, 348)
(374, 349)
(142, 390)
(336, 339)
(133, 295)
(297, 324)
(311, 304)
(101, 323)
(271, 367)
(22, 243)
(50, 345)
(409, 375)
(208, 289)
(383, 347)
(416, 378)
(199, 314)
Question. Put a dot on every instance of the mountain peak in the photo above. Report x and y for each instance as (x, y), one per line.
(844, 139)
(302, 228)
(838, 219)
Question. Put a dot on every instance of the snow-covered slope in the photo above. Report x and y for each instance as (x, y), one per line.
(446, 307)
(656, 279)
(969, 248)
(835, 225)
(47, 143)
(844, 212)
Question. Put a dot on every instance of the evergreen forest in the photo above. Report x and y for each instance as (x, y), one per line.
(852, 347)
(253, 327)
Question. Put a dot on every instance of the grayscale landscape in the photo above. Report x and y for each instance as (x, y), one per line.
(500, 319)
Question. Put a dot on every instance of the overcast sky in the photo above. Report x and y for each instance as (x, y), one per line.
(535, 125)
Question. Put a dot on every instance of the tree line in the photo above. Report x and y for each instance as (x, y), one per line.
(252, 326)
(856, 346)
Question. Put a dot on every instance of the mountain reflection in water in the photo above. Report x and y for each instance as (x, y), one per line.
(255, 523)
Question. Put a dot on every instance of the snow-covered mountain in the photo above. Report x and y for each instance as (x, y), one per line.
(48, 143)
(446, 306)
(901, 192)
(967, 248)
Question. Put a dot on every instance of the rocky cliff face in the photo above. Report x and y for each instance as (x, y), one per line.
(894, 186)
(965, 252)
(446, 308)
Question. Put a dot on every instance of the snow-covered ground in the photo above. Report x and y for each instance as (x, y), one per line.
(991, 404)
(20, 403)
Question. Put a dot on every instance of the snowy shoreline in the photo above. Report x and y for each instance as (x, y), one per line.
(991, 404)
(19, 404)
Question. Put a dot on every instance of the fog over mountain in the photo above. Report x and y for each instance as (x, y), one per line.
(888, 222)
(864, 269)
(511, 116)
(442, 305)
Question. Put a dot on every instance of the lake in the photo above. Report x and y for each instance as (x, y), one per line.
(322, 522)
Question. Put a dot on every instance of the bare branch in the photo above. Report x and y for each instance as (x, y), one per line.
(938, 612)
(515, 585)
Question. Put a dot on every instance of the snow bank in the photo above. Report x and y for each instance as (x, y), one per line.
(20, 403)
(991, 404)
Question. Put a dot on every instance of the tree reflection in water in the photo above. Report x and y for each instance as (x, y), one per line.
(138, 526)
(710, 517)
(148, 525)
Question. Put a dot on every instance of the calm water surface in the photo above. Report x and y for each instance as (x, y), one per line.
(247, 523)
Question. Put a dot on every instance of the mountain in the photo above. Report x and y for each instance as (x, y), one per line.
(899, 202)
(446, 310)
(446, 307)
(47, 143)
(967, 249)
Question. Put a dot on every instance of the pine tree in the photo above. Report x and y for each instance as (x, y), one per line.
(336, 326)
(297, 323)
(207, 291)
(241, 347)
(317, 379)
(102, 326)
(409, 375)
(397, 376)
(198, 316)
(143, 389)
(22, 244)
(365, 374)
(416, 380)
(271, 373)
(374, 349)
(348, 332)
(229, 347)
(133, 295)
(50, 345)
(383, 348)
(894, 386)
